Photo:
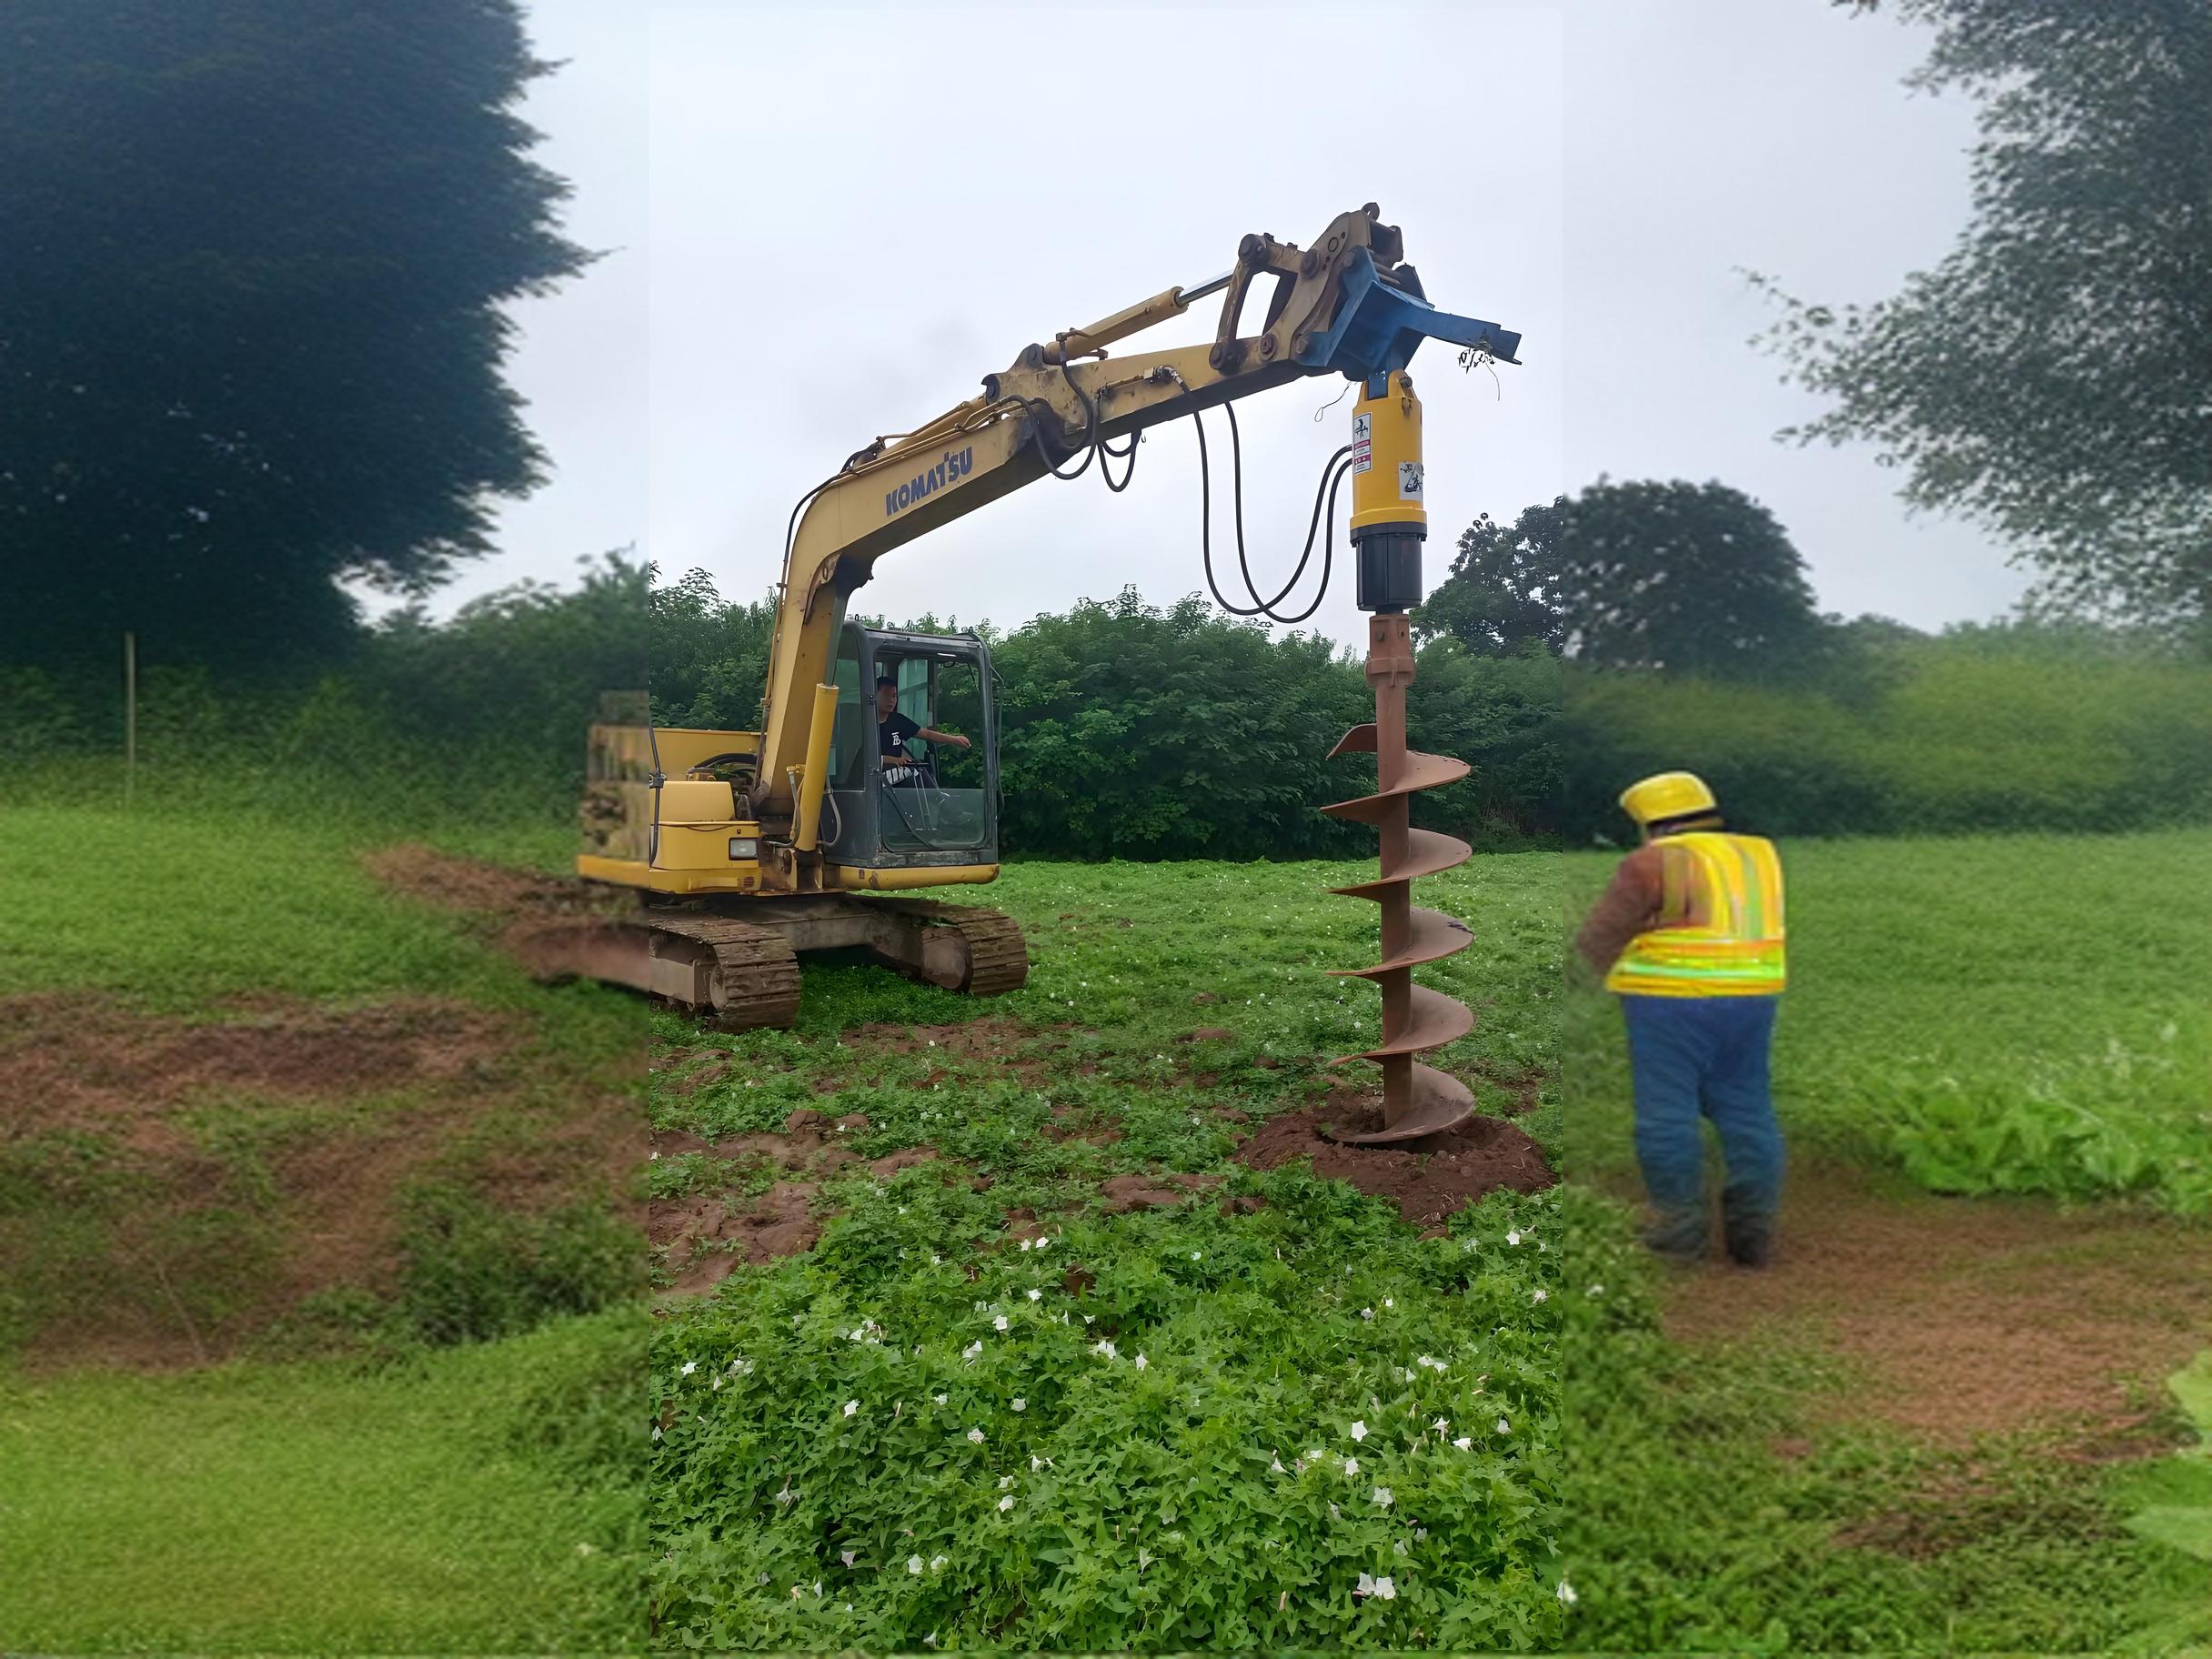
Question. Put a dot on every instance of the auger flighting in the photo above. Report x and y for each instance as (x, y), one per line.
(1389, 523)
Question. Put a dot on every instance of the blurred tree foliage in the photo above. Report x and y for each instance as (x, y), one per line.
(253, 265)
(2047, 377)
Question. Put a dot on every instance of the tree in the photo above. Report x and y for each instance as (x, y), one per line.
(1688, 578)
(1502, 596)
(254, 261)
(2048, 379)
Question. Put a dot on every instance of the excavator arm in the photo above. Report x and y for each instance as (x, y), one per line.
(1345, 304)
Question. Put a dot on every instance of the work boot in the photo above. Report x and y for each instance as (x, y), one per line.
(1678, 1235)
(1750, 1239)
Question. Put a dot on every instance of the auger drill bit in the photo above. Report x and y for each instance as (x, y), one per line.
(1388, 526)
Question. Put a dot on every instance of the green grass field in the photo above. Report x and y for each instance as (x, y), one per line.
(349, 1479)
(384, 1493)
(2023, 1015)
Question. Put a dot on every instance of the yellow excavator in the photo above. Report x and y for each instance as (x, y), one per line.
(816, 832)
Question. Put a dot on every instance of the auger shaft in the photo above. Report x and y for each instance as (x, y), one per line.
(1388, 526)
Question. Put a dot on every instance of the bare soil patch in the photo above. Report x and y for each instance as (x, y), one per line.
(454, 883)
(1971, 1316)
(707, 1237)
(91, 1065)
(214, 1172)
(1429, 1179)
(1123, 1193)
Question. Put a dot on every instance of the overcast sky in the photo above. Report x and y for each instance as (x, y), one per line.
(824, 225)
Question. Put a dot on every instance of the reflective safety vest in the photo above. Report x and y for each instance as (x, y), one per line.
(1728, 890)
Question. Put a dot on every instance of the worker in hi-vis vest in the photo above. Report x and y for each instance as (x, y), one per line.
(1690, 936)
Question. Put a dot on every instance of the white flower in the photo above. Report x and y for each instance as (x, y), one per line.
(1401, 1548)
(1005, 1480)
(1386, 1590)
(1431, 1364)
(1383, 1495)
(1104, 1347)
(1020, 1404)
(940, 1399)
(999, 1324)
(936, 1261)
(848, 1556)
(1044, 1241)
(1352, 1465)
(1029, 1243)
(852, 1406)
(975, 1436)
(972, 1351)
(1036, 1463)
(1005, 1503)
(1514, 1237)
(930, 1640)
(1314, 1457)
(1141, 1362)
(1358, 1431)
(1195, 1256)
(690, 1366)
(1541, 1294)
(936, 1561)
(1440, 1425)
(1464, 1443)
(1036, 1295)
(1367, 1312)
(1275, 1467)
(1597, 1290)
(1503, 1428)
(1566, 1593)
(1388, 1302)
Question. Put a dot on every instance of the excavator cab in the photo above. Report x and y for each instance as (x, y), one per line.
(924, 803)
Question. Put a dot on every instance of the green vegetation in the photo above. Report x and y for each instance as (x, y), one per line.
(2013, 1015)
(317, 1509)
(1691, 1524)
(1186, 1485)
(406, 1493)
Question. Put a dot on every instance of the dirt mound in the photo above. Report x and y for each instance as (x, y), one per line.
(454, 883)
(1127, 1193)
(68, 1063)
(203, 1176)
(1969, 1315)
(1429, 1179)
(707, 1237)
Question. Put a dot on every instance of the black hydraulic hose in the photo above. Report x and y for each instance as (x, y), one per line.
(1332, 475)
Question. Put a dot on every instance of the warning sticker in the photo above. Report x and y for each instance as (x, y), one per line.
(1363, 453)
(1409, 480)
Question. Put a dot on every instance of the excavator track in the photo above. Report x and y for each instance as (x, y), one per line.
(738, 967)
(998, 958)
(737, 975)
(754, 978)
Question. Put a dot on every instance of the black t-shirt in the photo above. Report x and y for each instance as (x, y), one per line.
(893, 730)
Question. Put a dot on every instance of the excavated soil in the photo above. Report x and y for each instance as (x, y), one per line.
(1428, 1180)
(320, 1116)
(1971, 1316)
(707, 1237)
(454, 883)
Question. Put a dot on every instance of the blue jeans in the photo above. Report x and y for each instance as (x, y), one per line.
(1708, 1056)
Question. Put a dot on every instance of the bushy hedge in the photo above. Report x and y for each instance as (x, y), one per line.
(1135, 732)
(1962, 737)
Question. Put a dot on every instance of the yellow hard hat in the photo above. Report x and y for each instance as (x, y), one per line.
(1667, 795)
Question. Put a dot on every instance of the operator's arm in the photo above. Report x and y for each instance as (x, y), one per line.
(1631, 904)
(930, 734)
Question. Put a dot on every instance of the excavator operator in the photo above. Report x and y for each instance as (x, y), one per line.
(893, 730)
